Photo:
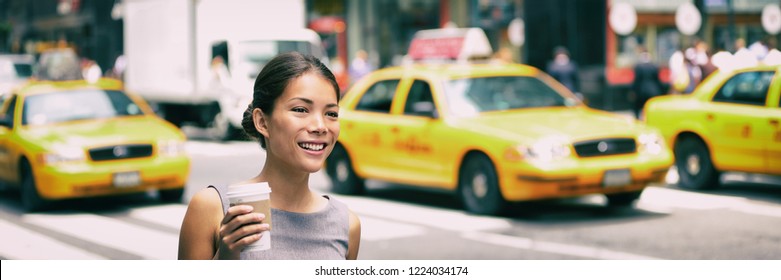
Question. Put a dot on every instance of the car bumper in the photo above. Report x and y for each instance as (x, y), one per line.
(97, 179)
(581, 176)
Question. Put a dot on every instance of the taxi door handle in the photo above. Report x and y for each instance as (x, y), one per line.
(710, 117)
(774, 122)
(395, 129)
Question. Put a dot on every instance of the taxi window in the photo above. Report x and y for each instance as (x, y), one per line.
(467, 97)
(378, 97)
(8, 115)
(746, 88)
(419, 93)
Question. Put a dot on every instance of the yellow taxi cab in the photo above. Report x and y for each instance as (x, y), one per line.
(69, 139)
(730, 122)
(492, 133)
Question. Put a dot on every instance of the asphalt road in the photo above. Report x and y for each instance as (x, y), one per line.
(738, 221)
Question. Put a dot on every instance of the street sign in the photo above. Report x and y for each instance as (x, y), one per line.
(771, 19)
(688, 19)
(623, 18)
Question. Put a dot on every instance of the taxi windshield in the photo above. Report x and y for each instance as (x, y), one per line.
(67, 106)
(470, 96)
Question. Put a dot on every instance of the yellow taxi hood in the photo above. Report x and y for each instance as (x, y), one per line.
(573, 124)
(96, 133)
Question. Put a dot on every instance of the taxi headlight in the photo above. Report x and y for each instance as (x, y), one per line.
(63, 155)
(651, 143)
(543, 150)
(170, 148)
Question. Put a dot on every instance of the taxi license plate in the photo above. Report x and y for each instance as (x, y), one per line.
(126, 179)
(617, 178)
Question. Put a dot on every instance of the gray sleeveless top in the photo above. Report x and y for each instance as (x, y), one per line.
(321, 235)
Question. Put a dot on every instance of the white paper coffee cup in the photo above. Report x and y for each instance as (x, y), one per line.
(257, 195)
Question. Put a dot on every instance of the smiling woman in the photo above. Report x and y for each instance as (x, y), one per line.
(294, 115)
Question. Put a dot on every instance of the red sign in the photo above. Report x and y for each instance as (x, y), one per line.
(436, 48)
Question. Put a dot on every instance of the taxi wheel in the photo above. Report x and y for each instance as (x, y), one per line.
(172, 195)
(695, 168)
(31, 200)
(479, 186)
(622, 199)
(343, 177)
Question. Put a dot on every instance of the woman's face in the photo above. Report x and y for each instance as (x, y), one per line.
(304, 125)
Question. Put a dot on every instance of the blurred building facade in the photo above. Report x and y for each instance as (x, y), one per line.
(31, 26)
(384, 28)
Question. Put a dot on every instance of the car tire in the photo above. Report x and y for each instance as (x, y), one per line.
(31, 199)
(478, 186)
(695, 168)
(343, 178)
(622, 199)
(171, 195)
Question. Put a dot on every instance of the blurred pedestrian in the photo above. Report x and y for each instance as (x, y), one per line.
(219, 69)
(646, 84)
(294, 115)
(759, 49)
(90, 70)
(360, 66)
(702, 58)
(743, 56)
(694, 72)
(679, 75)
(564, 70)
(118, 71)
(503, 55)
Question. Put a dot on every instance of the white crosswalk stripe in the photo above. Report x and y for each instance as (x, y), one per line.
(19, 243)
(167, 215)
(552, 247)
(141, 241)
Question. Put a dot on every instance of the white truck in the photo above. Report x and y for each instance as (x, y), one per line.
(171, 45)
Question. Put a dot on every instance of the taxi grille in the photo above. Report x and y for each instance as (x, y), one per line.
(120, 152)
(604, 147)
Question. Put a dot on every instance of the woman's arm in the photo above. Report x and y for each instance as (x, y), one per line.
(355, 237)
(208, 234)
(199, 227)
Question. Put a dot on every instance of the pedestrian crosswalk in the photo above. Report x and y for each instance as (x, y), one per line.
(151, 231)
(137, 240)
(20, 243)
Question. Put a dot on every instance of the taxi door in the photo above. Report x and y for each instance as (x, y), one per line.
(365, 133)
(415, 144)
(773, 153)
(737, 117)
(6, 126)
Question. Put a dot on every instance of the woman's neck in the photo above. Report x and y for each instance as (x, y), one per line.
(289, 189)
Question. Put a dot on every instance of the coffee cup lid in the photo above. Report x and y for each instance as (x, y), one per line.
(261, 187)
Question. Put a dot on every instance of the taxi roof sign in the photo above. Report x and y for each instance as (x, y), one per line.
(459, 44)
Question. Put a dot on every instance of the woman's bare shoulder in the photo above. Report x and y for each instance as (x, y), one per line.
(206, 201)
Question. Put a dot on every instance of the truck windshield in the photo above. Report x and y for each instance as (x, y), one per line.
(255, 54)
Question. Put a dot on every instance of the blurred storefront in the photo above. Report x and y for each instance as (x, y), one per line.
(721, 23)
(87, 26)
(384, 28)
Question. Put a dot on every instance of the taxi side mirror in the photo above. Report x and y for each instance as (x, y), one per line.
(425, 108)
